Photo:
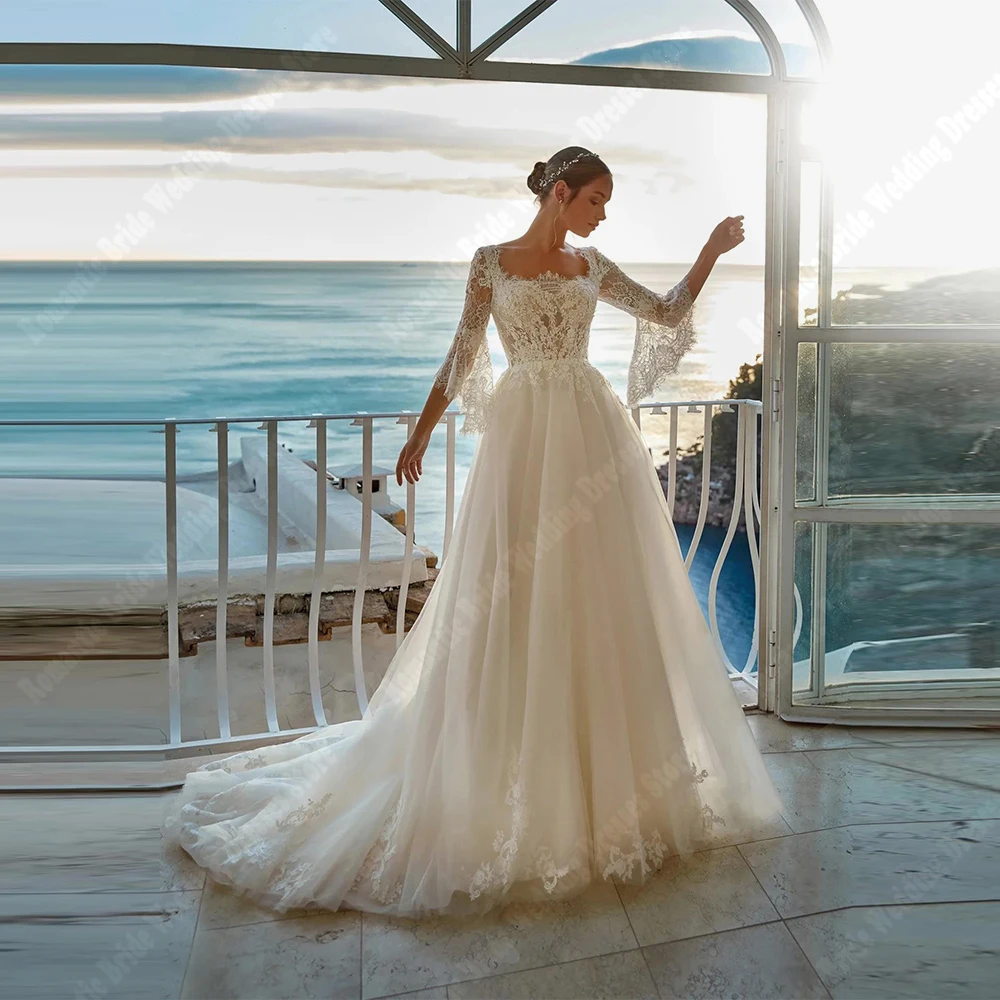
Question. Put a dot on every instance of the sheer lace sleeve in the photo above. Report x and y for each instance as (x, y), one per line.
(467, 370)
(664, 327)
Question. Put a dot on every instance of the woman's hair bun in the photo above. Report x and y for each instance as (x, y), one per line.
(535, 177)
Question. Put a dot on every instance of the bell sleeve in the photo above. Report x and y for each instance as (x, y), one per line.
(664, 327)
(467, 370)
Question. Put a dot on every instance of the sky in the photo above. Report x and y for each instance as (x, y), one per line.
(335, 167)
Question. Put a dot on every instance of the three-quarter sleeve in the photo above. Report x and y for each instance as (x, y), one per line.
(467, 370)
(664, 327)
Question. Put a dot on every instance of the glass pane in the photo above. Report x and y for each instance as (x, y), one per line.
(912, 602)
(811, 182)
(805, 422)
(710, 37)
(489, 17)
(914, 419)
(815, 118)
(869, 289)
(910, 247)
(361, 26)
(802, 621)
(797, 42)
(439, 14)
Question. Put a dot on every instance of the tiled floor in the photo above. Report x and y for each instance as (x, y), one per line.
(886, 883)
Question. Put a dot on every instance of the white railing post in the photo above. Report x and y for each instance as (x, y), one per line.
(222, 598)
(363, 561)
(672, 460)
(270, 700)
(319, 565)
(173, 628)
(404, 584)
(449, 484)
(746, 499)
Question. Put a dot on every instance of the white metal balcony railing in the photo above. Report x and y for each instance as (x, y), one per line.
(746, 500)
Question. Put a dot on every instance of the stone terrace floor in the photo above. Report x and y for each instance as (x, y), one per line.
(884, 881)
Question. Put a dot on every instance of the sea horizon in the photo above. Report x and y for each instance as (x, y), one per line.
(316, 337)
(322, 337)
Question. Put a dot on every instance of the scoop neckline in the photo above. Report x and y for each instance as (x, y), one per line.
(544, 274)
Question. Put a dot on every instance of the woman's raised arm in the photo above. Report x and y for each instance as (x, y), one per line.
(664, 327)
(664, 322)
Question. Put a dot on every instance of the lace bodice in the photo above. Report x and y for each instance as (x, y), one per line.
(547, 318)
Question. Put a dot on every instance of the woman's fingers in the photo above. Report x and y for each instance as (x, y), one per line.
(405, 468)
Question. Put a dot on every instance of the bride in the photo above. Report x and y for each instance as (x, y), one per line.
(559, 712)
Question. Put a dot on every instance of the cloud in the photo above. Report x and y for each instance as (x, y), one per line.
(496, 186)
(342, 177)
(288, 132)
(268, 131)
(293, 130)
(84, 84)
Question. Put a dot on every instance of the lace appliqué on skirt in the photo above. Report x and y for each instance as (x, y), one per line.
(650, 851)
(373, 867)
(246, 760)
(304, 813)
(496, 876)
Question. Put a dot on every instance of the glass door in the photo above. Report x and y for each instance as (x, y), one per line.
(888, 417)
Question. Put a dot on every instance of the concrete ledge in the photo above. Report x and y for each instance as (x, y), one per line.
(40, 634)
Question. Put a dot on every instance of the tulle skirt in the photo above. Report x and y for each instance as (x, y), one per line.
(557, 714)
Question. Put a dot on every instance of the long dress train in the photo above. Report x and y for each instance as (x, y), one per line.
(559, 712)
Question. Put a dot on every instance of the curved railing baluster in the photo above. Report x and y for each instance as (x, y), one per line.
(706, 478)
(750, 505)
(319, 567)
(363, 562)
(713, 582)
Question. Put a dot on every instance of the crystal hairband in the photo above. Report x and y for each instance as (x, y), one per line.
(569, 163)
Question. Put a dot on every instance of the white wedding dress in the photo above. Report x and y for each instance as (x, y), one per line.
(559, 712)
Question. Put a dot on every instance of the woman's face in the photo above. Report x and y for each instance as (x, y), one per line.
(586, 211)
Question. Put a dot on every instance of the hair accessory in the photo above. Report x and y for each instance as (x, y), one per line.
(567, 165)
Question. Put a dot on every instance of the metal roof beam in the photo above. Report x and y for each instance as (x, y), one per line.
(421, 29)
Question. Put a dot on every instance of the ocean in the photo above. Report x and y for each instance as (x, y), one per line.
(208, 339)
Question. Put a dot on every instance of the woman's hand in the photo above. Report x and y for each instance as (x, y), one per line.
(726, 235)
(410, 459)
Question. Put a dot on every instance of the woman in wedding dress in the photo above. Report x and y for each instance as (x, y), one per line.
(559, 712)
